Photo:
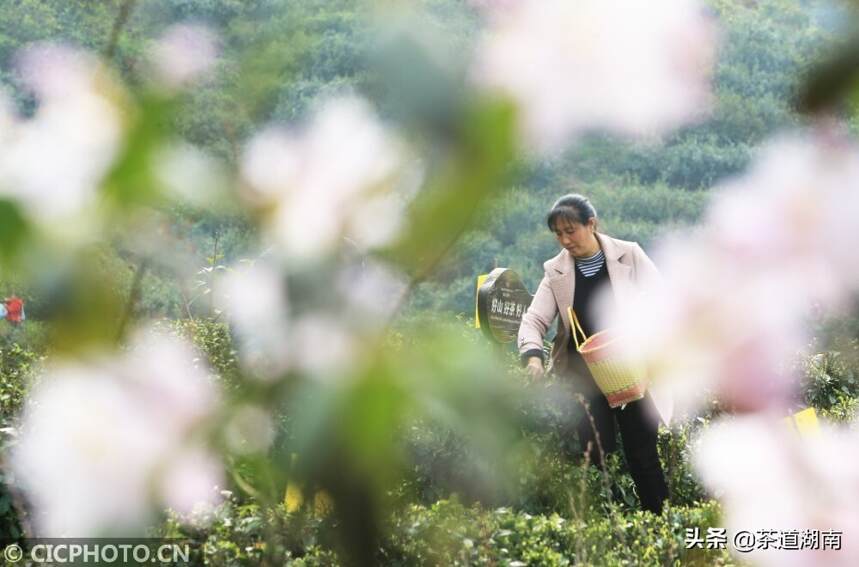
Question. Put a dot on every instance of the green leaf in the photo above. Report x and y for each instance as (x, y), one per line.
(132, 181)
(14, 230)
(472, 171)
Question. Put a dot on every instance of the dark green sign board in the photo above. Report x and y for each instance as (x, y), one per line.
(502, 299)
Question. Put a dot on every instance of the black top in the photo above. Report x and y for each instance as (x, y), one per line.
(587, 288)
(584, 295)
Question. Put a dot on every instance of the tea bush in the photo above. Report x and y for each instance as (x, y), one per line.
(831, 379)
(450, 533)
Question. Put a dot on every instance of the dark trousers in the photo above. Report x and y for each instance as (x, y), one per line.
(638, 426)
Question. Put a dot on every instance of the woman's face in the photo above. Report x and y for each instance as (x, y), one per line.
(576, 237)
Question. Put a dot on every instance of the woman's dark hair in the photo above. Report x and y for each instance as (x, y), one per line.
(573, 208)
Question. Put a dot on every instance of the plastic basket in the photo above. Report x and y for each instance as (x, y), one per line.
(619, 378)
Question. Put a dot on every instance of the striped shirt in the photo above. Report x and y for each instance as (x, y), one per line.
(590, 266)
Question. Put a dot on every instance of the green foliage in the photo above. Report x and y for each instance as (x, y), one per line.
(213, 340)
(10, 525)
(237, 534)
(675, 451)
(449, 533)
(17, 364)
(831, 381)
(14, 231)
(346, 436)
(543, 470)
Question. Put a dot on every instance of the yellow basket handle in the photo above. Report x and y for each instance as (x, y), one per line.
(576, 326)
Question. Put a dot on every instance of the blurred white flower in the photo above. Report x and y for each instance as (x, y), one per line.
(171, 380)
(250, 430)
(337, 178)
(708, 329)
(189, 174)
(85, 454)
(792, 212)
(372, 290)
(271, 162)
(376, 220)
(768, 477)
(53, 163)
(732, 309)
(324, 348)
(253, 297)
(190, 484)
(622, 65)
(96, 438)
(184, 54)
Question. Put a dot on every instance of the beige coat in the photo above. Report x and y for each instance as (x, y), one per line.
(630, 271)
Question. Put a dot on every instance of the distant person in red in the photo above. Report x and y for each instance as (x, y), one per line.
(14, 307)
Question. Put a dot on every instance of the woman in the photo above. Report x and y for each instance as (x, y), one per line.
(589, 262)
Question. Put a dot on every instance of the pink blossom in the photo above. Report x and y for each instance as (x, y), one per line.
(620, 65)
(184, 54)
(731, 312)
(768, 477)
(191, 481)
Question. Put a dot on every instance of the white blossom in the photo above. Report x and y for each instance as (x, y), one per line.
(251, 429)
(324, 348)
(53, 163)
(339, 177)
(189, 174)
(184, 54)
(97, 437)
(253, 297)
(625, 66)
(373, 291)
(190, 483)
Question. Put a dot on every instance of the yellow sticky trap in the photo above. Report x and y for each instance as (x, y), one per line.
(293, 499)
(806, 421)
(323, 504)
(480, 281)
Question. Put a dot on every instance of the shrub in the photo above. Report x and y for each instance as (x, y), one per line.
(17, 363)
(830, 380)
(215, 342)
(236, 534)
(448, 533)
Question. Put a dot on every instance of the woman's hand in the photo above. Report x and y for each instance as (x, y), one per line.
(535, 367)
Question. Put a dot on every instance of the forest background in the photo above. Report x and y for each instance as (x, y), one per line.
(287, 54)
